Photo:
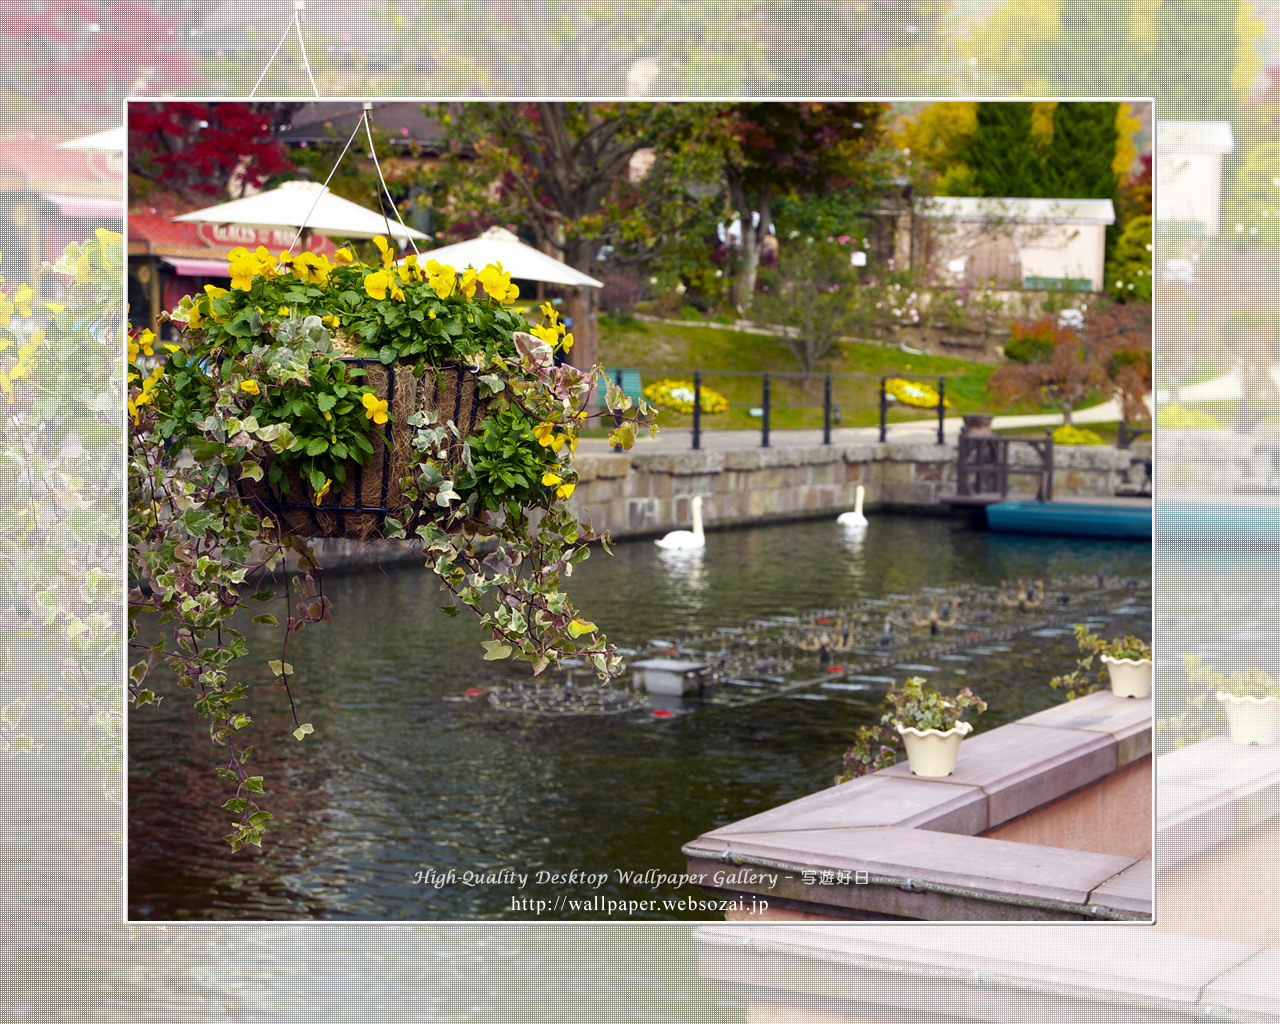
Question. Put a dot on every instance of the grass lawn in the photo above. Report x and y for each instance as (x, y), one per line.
(675, 351)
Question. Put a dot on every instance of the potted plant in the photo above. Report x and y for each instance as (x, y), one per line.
(925, 721)
(930, 726)
(338, 399)
(1126, 666)
(1251, 703)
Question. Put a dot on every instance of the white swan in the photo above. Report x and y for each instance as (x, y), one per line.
(683, 540)
(854, 518)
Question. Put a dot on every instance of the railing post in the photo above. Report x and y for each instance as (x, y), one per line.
(697, 409)
(764, 426)
(1048, 458)
(884, 408)
(617, 419)
(942, 405)
(826, 411)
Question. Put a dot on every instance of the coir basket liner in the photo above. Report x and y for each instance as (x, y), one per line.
(359, 510)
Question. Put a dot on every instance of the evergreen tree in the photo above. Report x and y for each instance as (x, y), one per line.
(1003, 153)
(1096, 51)
(1078, 163)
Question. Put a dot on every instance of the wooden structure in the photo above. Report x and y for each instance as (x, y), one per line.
(983, 469)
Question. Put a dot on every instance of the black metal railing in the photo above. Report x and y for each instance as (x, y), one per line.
(833, 414)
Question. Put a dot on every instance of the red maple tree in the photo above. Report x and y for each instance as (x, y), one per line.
(198, 149)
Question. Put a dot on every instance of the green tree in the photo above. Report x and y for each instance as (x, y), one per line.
(1078, 164)
(1128, 274)
(1003, 155)
(774, 149)
(566, 172)
(816, 296)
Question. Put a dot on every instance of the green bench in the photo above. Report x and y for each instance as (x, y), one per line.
(631, 386)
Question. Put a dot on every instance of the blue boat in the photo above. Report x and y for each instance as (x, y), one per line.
(1121, 520)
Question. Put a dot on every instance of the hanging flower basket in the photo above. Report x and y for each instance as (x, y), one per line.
(359, 510)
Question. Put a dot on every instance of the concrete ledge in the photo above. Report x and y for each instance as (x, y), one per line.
(1024, 829)
(992, 973)
(1210, 791)
(1022, 767)
(922, 875)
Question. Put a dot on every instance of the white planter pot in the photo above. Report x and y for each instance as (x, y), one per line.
(1251, 720)
(932, 754)
(1129, 677)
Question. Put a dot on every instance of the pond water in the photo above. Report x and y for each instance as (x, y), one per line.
(406, 773)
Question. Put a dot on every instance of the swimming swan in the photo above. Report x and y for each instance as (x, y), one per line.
(683, 540)
(854, 518)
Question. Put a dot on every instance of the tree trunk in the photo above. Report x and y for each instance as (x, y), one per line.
(752, 236)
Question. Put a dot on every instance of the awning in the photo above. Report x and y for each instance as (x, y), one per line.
(199, 268)
(100, 207)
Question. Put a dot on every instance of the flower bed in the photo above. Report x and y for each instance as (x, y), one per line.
(677, 395)
(1075, 435)
(913, 392)
(1175, 417)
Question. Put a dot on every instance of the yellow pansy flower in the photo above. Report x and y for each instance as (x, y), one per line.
(53, 307)
(550, 479)
(250, 386)
(388, 255)
(312, 268)
(545, 333)
(375, 408)
(376, 284)
(549, 311)
(108, 237)
(497, 283)
(566, 342)
(214, 292)
(565, 490)
(468, 283)
(343, 255)
(243, 268)
(22, 298)
(323, 490)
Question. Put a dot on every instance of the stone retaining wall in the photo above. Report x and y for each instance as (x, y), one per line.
(638, 493)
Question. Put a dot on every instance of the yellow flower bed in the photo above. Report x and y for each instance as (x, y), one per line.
(913, 392)
(678, 396)
(1174, 417)
(1075, 435)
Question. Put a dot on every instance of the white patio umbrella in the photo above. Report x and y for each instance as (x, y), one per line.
(295, 204)
(524, 262)
(110, 141)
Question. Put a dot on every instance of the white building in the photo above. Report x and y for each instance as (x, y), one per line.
(1188, 174)
(1035, 243)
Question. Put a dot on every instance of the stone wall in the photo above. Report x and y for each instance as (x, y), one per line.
(638, 493)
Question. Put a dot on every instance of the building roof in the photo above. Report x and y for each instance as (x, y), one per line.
(323, 121)
(32, 166)
(158, 235)
(1062, 211)
(1194, 137)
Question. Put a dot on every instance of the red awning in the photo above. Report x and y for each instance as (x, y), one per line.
(198, 268)
(100, 207)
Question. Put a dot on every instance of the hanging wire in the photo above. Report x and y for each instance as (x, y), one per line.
(387, 192)
(296, 22)
(324, 188)
(298, 7)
